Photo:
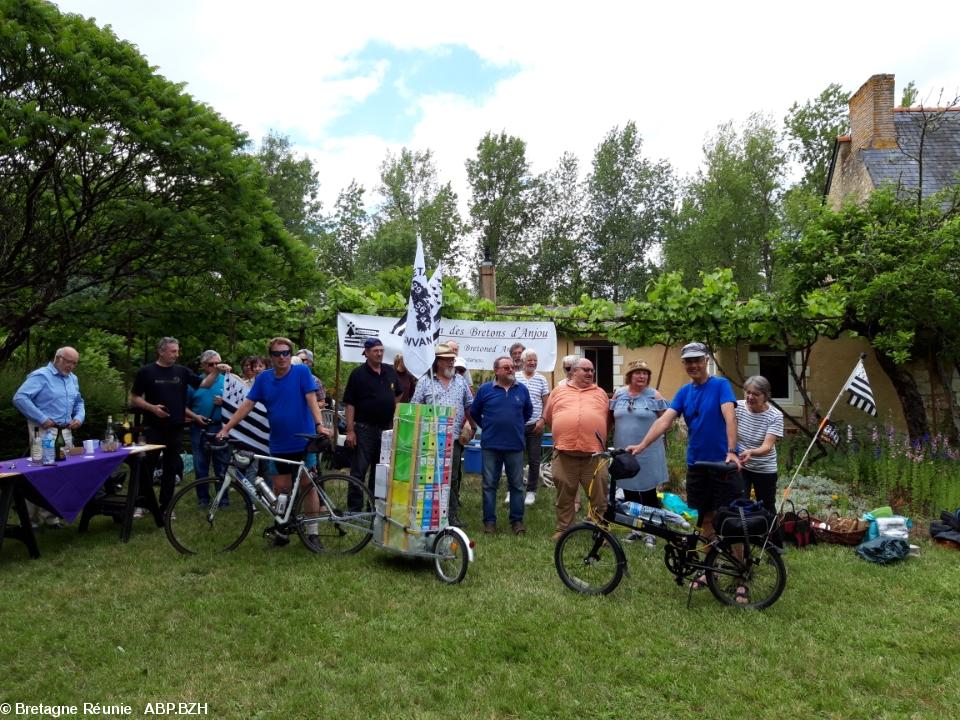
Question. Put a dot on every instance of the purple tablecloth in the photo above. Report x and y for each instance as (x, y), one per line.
(71, 483)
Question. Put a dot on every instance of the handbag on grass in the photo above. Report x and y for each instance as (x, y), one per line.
(797, 526)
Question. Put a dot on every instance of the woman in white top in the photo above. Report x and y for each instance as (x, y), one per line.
(759, 426)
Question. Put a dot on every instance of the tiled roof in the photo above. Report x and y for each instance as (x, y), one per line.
(941, 153)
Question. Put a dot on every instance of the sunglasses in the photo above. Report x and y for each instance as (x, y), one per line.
(630, 403)
(211, 362)
(280, 353)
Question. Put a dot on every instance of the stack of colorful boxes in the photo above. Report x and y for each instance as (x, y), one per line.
(418, 491)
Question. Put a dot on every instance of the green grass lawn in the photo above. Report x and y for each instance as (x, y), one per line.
(279, 633)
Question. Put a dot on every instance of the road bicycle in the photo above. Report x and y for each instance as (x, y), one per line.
(741, 571)
(343, 524)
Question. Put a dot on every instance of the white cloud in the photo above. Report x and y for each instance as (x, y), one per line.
(677, 69)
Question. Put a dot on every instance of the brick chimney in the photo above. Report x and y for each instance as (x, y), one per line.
(488, 278)
(871, 114)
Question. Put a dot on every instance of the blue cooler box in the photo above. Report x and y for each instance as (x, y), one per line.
(472, 460)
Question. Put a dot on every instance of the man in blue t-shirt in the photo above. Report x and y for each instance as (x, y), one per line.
(289, 393)
(708, 406)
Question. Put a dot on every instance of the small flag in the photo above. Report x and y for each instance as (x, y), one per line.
(829, 433)
(861, 396)
(254, 430)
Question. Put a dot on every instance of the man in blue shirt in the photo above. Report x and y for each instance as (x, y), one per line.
(501, 408)
(709, 409)
(50, 396)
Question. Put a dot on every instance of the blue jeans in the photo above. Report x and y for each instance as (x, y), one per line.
(202, 458)
(493, 463)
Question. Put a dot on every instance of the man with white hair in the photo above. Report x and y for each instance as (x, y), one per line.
(536, 385)
(50, 397)
(567, 364)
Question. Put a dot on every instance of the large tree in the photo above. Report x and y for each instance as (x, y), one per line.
(414, 204)
(812, 129)
(293, 185)
(499, 205)
(731, 210)
(630, 201)
(114, 183)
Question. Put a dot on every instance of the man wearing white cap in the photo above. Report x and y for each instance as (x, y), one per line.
(709, 409)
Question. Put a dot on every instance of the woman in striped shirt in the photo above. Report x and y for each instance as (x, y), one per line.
(759, 426)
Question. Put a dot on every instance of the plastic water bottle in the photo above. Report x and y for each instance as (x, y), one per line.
(49, 450)
(36, 447)
(282, 503)
(654, 516)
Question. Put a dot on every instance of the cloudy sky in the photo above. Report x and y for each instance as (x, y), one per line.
(346, 81)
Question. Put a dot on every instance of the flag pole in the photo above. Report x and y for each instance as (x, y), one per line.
(816, 435)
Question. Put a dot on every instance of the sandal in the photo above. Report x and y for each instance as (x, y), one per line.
(699, 583)
(742, 595)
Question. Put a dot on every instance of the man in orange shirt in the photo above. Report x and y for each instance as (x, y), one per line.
(576, 412)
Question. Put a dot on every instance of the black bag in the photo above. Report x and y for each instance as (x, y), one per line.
(743, 518)
(797, 527)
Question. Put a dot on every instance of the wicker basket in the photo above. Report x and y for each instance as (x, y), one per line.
(838, 530)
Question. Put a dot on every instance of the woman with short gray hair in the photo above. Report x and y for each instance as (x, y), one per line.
(759, 426)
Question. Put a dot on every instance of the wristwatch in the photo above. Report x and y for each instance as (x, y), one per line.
(732, 450)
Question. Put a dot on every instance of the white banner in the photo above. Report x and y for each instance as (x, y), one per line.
(481, 342)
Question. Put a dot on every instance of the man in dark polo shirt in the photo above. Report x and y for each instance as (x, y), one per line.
(372, 393)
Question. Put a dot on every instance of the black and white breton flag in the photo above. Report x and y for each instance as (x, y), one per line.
(254, 430)
(861, 396)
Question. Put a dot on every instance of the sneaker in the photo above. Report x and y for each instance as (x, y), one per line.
(635, 536)
(138, 513)
(650, 542)
(506, 500)
(280, 539)
(52, 523)
(314, 541)
(530, 498)
(173, 515)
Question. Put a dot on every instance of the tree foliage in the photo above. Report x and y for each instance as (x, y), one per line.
(812, 129)
(500, 180)
(730, 211)
(895, 266)
(114, 184)
(630, 202)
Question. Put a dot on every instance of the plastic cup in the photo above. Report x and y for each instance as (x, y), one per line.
(89, 447)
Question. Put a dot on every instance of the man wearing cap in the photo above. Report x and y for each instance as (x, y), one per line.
(370, 398)
(709, 407)
(447, 388)
(577, 412)
(501, 408)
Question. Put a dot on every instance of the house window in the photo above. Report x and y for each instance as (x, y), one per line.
(773, 366)
(601, 355)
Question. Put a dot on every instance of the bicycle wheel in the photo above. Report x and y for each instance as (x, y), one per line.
(344, 523)
(589, 559)
(754, 582)
(194, 529)
(451, 557)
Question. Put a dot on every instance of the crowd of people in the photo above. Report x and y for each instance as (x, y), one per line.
(277, 399)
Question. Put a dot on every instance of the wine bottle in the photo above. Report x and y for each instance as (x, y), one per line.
(58, 446)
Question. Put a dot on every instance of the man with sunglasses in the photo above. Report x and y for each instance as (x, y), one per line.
(709, 409)
(289, 394)
(577, 412)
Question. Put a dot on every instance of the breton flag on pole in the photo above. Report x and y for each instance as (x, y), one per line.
(861, 396)
(423, 316)
(254, 430)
